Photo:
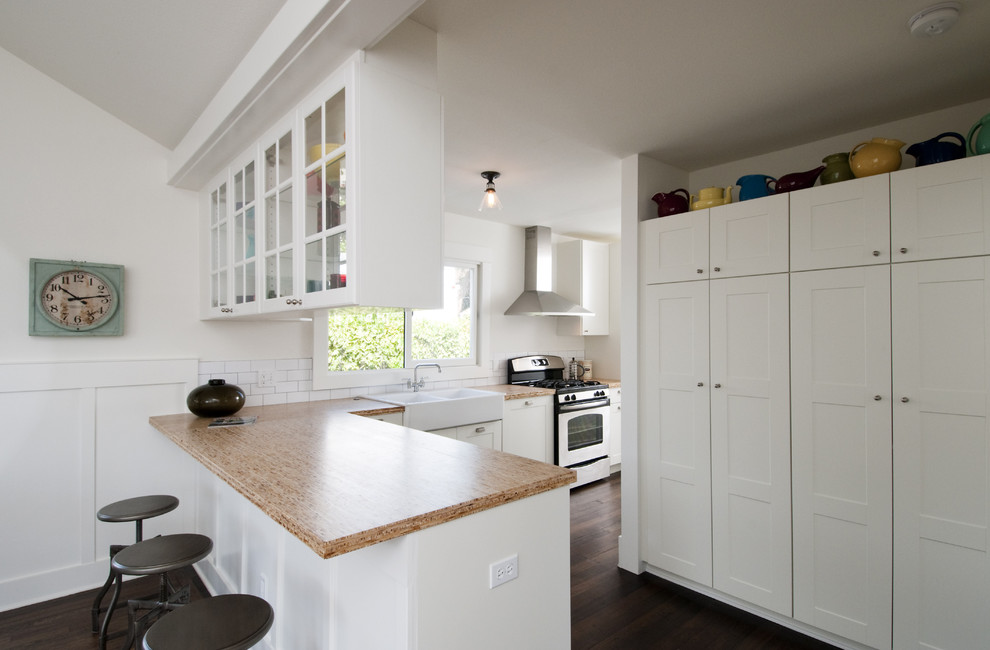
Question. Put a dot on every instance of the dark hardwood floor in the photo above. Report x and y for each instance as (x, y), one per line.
(610, 608)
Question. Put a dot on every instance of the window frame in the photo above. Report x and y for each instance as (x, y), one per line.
(453, 370)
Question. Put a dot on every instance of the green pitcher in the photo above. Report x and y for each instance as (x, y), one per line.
(982, 144)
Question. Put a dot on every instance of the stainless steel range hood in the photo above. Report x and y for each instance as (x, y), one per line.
(538, 298)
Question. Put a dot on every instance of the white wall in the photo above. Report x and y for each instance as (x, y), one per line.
(79, 184)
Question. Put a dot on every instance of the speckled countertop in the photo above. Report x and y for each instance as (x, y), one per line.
(340, 482)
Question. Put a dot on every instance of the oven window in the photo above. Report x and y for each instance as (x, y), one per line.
(585, 430)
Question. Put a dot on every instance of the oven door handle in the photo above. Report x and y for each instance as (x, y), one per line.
(583, 406)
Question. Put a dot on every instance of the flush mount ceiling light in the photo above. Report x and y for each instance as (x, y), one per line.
(490, 200)
(934, 20)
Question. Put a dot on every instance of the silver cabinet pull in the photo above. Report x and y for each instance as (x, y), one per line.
(877, 398)
(905, 400)
(528, 403)
(876, 253)
(701, 270)
(700, 384)
(479, 430)
(903, 250)
(717, 385)
(717, 269)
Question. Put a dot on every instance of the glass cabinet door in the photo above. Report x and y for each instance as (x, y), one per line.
(278, 273)
(244, 264)
(325, 218)
(219, 222)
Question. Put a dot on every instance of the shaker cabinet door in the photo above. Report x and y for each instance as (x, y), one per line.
(841, 224)
(750, 440)
(940, 211)
(674, 248)
(674, 434)
(749, 238)
(941, 363)
(841, 456)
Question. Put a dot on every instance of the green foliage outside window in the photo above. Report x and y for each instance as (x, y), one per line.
(366, 339)
(441, 339)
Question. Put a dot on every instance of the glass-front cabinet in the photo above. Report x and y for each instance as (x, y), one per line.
(339, 203)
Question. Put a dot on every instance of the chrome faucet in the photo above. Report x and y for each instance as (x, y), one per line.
(415, 383)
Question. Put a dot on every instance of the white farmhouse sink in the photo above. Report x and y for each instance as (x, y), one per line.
(449, 407)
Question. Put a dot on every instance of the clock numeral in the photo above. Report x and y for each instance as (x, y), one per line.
(78, 277)
(53, 309)
(54, 287)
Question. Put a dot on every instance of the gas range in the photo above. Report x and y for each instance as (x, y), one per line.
(581, 410)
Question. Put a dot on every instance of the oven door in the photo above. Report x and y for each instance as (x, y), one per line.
(582, 432)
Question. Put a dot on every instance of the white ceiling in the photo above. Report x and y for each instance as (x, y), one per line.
(553, 93)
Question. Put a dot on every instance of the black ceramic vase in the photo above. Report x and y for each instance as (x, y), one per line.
(215, 399)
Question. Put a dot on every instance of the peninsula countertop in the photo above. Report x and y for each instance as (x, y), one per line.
(340, 482)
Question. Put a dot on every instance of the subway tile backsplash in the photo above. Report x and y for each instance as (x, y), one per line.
(293, 378)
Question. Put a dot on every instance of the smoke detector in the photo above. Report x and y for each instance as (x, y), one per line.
(934, 20)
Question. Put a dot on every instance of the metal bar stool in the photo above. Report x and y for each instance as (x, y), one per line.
(231, 622)
(137, 510)
(157, 556)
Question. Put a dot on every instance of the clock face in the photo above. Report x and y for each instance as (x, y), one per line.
(77, 300)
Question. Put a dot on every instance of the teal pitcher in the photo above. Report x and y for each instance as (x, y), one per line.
(753, 186)
(982, 144)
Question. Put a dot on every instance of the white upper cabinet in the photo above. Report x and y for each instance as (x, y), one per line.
(345, 204)
(674, 248)
(749, 238)
(841, 224)
(940, 211)
(582, 276)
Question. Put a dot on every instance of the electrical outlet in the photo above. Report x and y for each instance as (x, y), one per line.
(266, 378)
(503, 571)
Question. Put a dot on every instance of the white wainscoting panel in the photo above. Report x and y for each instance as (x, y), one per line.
(76, 437)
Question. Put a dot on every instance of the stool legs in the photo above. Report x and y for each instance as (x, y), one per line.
(98, 602)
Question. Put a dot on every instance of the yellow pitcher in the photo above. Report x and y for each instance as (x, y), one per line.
(878, 156)
(711, 196)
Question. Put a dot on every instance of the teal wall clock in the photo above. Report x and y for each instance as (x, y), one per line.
(70, 298)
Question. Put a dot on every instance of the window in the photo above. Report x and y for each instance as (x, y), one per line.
(361, 339)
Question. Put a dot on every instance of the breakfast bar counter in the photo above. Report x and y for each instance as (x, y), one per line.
(365, 534)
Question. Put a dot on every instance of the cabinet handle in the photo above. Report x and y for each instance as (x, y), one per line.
(905, 400)
(701, 270)
(717, 385)
(876, 253)
(527, 403)
(227, 310)
(293, 301)
(903, 250)
(700, 384)
(717, 269)
(479, 430)
(877, 398)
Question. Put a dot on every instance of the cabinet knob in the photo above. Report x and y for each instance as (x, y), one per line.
(877, 398)
(717, 269)
(700, 384)
(903, 250)
(717, 385)
(876, 253)
(701, 270)
(905, 400)
(528, 403)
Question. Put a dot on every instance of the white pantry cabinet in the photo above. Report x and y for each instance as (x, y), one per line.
(582, 276)
(347, 203)
(675, 429)
(941, 211)
(841, 451)
(527, 427)
(941, 362)
(750, 440)
(841, 224)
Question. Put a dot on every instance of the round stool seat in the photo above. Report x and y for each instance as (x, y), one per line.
(162, 554)
(138, 508)
(230, 622)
